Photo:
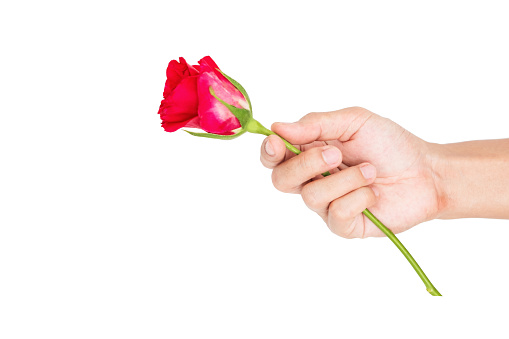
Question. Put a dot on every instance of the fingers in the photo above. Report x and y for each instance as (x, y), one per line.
(340, 125)
(290, 175)
(318, 194)
(273, 152)
(344, 211)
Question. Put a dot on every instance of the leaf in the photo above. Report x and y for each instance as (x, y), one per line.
(216, 136)
(242, 114)
(240, 88)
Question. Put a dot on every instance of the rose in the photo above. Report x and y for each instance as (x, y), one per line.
(188, 101)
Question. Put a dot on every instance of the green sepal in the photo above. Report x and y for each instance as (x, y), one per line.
(242, 114)
(216, 136)
(240, 88)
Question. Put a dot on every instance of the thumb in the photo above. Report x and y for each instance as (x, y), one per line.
(336, 125)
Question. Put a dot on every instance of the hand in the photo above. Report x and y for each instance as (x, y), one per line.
(374, 163)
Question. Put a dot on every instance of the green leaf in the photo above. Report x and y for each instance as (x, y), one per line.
(242, 114)
(216, 136)
(240, 88)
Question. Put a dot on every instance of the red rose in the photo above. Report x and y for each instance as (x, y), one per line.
(188, 102)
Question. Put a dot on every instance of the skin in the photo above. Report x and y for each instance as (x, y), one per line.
(377, 164)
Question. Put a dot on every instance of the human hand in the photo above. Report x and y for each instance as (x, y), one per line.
(374, 163)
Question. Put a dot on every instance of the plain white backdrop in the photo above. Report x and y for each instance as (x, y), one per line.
(112, 228)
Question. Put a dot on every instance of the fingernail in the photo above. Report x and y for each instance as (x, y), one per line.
(268, 148)
(331, 155)
(368, 171)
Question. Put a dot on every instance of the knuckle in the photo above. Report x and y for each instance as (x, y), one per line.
(276, 181)
(348, 232)
(310, 197)
(310, 116)
(279, 182)
(363, 112)
(339, 211)
(344, 231)
(348, 213)
(360, 109)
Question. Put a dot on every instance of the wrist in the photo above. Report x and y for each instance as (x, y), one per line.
(471, 179)
(442, 164)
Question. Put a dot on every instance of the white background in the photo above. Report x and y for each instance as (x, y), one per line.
(112, 228)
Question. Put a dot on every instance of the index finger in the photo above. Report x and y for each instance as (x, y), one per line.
(337, 125)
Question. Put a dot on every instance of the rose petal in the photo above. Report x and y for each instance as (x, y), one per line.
(214, 116)
(223, 88)
(181, 107)
(209, 65)
(170, 126)
(175, 72)
(196, 68)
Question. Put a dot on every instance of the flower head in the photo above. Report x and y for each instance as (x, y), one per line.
(199, 96)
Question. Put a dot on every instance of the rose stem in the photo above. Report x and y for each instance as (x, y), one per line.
(256, 127)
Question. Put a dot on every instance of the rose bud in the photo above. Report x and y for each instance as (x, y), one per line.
(201, 96)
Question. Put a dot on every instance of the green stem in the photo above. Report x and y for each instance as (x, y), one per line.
(254, 126)
(429, 286)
